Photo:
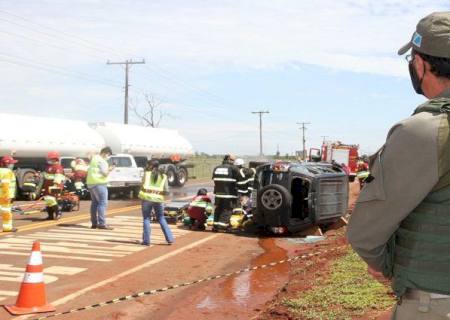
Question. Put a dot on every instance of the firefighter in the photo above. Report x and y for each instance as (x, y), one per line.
(362, 172)
(80, 169)
(199, 209)
(225, 192)
(401, 222)
(7, 192)
(244, 182)
(53, 185)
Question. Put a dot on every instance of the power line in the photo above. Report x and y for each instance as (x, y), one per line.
(105, 49)
(20, 61)
(303, 127)
(127, 64)
(260, 130)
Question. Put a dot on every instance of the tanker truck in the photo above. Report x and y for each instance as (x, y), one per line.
(30, 138)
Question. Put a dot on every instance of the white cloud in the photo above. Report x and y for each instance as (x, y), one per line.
(345, 35)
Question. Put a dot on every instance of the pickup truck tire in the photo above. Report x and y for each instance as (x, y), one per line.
(274, 204)
(171, 177)
(182, 177)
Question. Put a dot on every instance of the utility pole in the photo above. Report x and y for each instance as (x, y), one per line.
(303, 127)
(260, 129)
(324, 138)
(127, 64)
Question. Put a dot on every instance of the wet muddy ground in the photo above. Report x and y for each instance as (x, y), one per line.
(238, 297)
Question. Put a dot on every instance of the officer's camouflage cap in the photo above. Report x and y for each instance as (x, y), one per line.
(432, 36)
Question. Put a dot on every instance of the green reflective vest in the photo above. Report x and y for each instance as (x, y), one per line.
(7, 184)
(419, 253)
(153, 190)
(94, 175)
(199, 202)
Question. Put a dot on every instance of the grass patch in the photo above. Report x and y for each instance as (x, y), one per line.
(349, 291)
(203, 166)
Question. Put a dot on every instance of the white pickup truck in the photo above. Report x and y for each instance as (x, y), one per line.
(126, 176)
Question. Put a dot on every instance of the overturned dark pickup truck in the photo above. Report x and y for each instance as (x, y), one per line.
(290, 197)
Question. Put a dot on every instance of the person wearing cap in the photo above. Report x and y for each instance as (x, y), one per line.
(225, 178)
(401, 222)
(97, 181)
(7, 192)
(154, 186)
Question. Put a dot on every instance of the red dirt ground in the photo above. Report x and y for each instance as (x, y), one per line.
(303, 272)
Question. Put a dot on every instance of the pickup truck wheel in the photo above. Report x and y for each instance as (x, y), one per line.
(171, 177)
(274, 202)
(182, 177)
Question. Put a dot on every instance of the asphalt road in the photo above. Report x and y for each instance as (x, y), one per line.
(84, 266)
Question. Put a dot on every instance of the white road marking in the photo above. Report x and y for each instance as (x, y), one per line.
(83, 245)
(133, 270)
(4, 294)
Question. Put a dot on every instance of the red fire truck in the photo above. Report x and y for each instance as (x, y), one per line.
(340, 153)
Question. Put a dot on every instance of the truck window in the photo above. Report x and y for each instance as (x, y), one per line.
(270, 177)
(66, 163)
(121, 162)
(141, 162)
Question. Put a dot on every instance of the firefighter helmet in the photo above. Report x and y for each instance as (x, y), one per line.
(239, 162)
(7, 160)
(53, 155)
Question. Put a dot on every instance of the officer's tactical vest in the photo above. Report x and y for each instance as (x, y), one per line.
(94, 176)
(421, 249)
(153, 190)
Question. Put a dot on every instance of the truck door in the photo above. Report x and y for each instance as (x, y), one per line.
(341, 156)
(328, 198)
(124, 172)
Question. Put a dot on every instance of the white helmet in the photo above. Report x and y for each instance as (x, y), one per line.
(239, 162)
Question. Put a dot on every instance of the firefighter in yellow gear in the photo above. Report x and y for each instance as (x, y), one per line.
(7, 192)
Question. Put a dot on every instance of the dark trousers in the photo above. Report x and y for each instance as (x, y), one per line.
(224, 209)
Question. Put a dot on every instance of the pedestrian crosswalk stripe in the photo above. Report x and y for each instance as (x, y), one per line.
(4, 294)
(76, 245)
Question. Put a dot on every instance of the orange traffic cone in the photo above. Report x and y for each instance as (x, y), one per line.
(32, 298)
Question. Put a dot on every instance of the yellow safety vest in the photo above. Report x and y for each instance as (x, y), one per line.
(153, 190)
(7, 184)
(94, 176)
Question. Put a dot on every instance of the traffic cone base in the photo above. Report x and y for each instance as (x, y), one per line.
(19, 311)
(32, 297)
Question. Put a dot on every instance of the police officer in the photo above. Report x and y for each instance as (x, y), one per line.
(401, 223)
(225, 192)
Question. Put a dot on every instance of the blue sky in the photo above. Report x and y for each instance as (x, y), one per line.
(210, 63)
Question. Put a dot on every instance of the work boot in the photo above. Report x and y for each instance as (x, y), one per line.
(105, 227)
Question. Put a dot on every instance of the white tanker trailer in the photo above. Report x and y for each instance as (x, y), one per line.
(30, 138)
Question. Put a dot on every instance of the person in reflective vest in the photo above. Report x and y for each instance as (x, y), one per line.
(7, 192)
(154, 187)
(97, 182)
(53, 185)
(225, 192)
(199, 209)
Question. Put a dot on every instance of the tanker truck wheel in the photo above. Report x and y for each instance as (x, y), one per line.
(171, 177)
(182, 177)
